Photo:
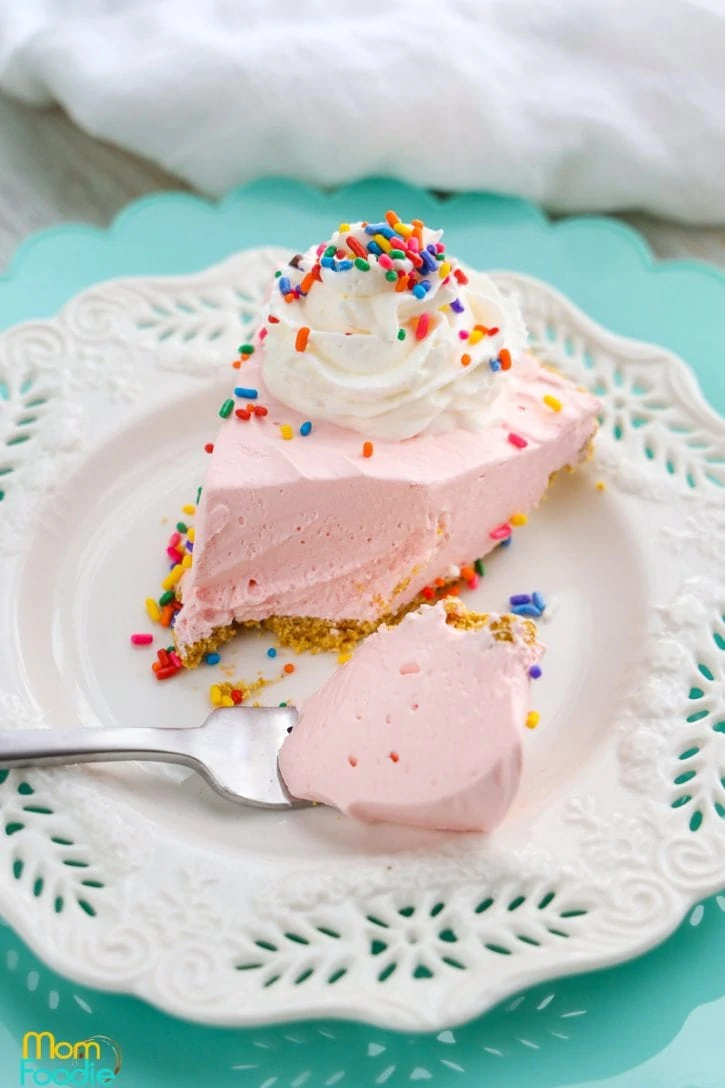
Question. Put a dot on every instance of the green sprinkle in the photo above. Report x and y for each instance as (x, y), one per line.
(170, 649)
(283, 704)
(479, 568)
(198, 494)
(182, 527)
(401, 334)
(226, 409)
(362, 264)
(246, 349)
(330, 251)
(277, 274)
(440, 256)
(166, 598)
(397, 255)
(391, 276)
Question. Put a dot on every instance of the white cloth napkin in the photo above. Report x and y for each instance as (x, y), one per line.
(577, 104)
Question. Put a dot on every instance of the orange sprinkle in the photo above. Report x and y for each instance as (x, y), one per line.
(290, 297)
(237, 363)
(453, 591)
(303, 335)
(467, 573)
(418, 230)
(156, 666)
(402, 282)
(505, 357)
(394, 756)
(306, 284)
(367, 449)
(465, 359)
(289, 668)
(166, 613)
(439, 582)
(392, 218)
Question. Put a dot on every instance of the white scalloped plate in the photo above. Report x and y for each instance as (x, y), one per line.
(140, 880)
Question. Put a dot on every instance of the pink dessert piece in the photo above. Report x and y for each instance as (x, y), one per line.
(312, 528)
(424, 726)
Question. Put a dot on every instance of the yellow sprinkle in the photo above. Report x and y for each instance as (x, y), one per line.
(475, 336)
(342, 659)
(552, 402)
(403, 229)
(518, 519)
(532, 719)
(445, 308)
(191, 534)
(600, 485)
(444, 269)
(382, 242)
(343, 228)
(153, 610)
(189, 508)
(172, 577)
(227, 700)
(187, 561)
(286, 431)
(215, 694)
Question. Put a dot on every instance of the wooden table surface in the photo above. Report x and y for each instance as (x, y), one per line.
(51, 172)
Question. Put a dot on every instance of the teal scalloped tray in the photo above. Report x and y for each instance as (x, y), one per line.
(652, 1023)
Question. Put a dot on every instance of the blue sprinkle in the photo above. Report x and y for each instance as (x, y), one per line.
(373, 247)
(285, 285)
(343, 266)
(305, 427)
(535, 672)
(271, 652)
(495, 365)
(419, 291)
(520, 598)
(506, 543)
(432, 249)
(538, 600)
(248, 394)
(379, 228)
(457, 306)
(430, 263)
(172, 621)
(426, 284)
(526, 610)
(213, 659)
(327, 262)
(190, 545)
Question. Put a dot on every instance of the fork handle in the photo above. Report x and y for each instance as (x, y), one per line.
(52, 748)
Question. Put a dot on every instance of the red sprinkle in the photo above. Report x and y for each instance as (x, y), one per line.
(209, 447)
(421, 329)
(494, 330)
(166, 673)
(163, 656)
(357, 248)
(460, 275)
(262, 334)
(303, 335)
(501, 532)
(236, 696)
(367, 449)
(429, 593)
(273, 320)
(385, 261)
(413, 257)
(242, 413)
(176, 660)
(142, 640)
(175, 554)
(260, 410)
(394, 756)
(518, 441)
(174, 539)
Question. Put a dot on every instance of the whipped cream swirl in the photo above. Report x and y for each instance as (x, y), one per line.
(352, 341)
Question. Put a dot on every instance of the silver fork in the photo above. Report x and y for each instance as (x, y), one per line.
(235, 750)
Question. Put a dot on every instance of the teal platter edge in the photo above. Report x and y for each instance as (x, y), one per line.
(651, 1023)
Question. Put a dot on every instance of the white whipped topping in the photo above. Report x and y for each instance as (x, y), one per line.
(357, 373)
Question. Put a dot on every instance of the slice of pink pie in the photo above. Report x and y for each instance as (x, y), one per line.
(388, 427)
